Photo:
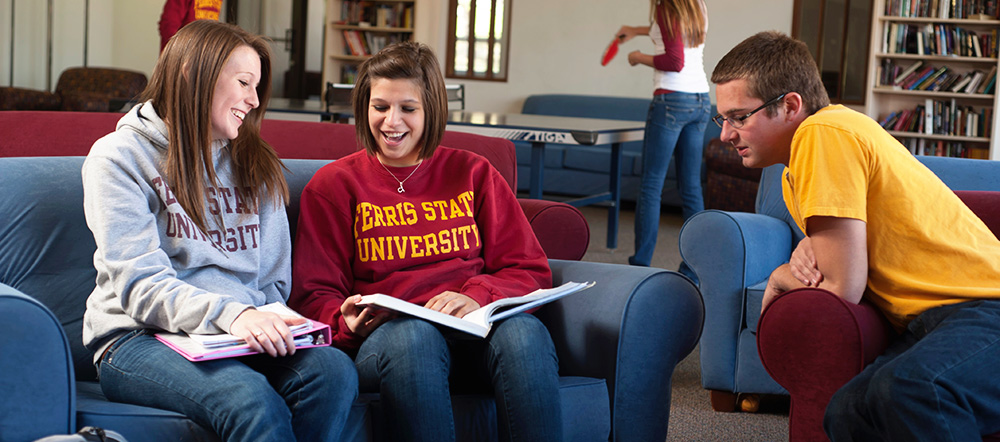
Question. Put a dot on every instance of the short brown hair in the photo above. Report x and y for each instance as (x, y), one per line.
(409, 61)
(772, 64)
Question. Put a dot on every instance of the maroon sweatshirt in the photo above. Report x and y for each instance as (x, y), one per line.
(456, 227)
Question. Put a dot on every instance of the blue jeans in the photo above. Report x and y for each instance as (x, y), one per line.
(675, 127)
(409, 362)
(306, 396)
(936, 382)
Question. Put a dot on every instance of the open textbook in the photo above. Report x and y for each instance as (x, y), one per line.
(198, 347)
(478, 322)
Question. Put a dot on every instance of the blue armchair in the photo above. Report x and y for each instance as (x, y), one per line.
(734, 253)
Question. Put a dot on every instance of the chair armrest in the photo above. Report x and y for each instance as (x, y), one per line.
(812, 342)
(630, 329)
(560, 228)
(729, 251)
(37, 381)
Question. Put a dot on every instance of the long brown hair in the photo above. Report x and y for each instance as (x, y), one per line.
(690, 14)
(181, 89)
(410, 61)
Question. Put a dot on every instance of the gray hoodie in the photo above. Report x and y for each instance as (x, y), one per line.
(155, 269)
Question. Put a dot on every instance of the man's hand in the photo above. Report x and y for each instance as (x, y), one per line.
(266, 332)
(781, 281)
(362, 321)
(834, 256)
(452, 303)
(803, 264)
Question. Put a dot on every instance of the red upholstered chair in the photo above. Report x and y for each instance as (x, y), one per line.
(812, 342)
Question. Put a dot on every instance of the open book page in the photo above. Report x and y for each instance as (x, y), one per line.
(479, 321)
(503, 308)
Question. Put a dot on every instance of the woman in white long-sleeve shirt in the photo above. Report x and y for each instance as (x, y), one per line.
(678, 113)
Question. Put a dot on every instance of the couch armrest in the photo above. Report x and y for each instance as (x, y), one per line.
(812, 342)
(729, 251)
(37, 382)
(631, 329)
(560, 228)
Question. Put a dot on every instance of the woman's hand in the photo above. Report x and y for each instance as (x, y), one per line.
(803, 264)
(362, 320)
(266, 332)
(452, 303)
(626, 33)
(635, 57)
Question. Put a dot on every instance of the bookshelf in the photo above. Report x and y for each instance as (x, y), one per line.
(932, 76)
(355, 29)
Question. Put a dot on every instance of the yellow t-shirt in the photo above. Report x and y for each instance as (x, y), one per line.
(925, 247)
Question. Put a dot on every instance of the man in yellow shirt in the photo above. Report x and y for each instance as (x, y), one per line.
(878, 225)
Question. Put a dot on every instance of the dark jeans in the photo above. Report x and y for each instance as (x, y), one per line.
(304, 397)
(409, 362)
(939, 381)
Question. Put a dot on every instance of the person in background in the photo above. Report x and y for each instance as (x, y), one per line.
(177, 13)
(187, 206)
(435, 226)
(881, 226)
(678, 113)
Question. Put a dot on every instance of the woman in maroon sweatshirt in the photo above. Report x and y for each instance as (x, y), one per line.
(435, 226)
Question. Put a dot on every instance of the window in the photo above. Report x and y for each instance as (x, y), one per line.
(478, 39)
(837, 33)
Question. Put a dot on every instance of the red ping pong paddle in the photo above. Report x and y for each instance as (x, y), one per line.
(610, 52)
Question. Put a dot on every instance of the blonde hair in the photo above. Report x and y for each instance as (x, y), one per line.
(689, 14)
(181, 90)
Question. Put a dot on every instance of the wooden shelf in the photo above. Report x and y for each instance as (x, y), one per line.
(882, 101)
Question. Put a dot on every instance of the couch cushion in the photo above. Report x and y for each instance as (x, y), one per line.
(46, 249)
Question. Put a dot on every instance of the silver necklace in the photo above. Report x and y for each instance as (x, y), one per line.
(399, 189)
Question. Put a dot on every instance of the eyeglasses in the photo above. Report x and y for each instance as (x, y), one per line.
(737, 122)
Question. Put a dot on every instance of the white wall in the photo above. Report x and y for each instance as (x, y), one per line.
(556, 45)
(121, 33)
(555, 53)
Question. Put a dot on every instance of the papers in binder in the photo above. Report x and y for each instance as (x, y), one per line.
(200, 347)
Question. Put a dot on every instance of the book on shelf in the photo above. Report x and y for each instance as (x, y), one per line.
(479, 321)
(354, 42)
(205, 347)
(942, 8)
(916, 78)
(988, 81)
(901, 78)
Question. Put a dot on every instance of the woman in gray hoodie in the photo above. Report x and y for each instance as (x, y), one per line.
(187, 206)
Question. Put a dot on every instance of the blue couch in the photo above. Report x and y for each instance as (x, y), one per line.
(583, 170)
(734, 253)
(618, 343)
